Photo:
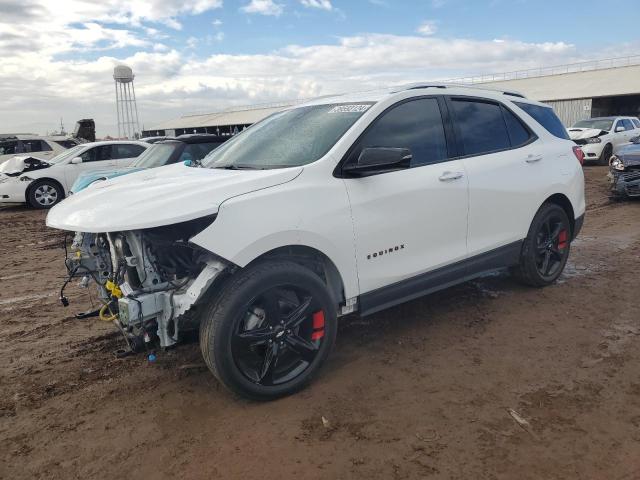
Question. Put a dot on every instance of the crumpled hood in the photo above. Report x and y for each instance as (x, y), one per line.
(22, 163)
(159, 196)
(630, 155)
(581, 133)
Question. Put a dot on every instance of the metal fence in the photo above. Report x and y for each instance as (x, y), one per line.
(547, 71)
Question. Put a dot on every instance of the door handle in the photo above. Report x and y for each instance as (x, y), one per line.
(533, 158)
(449, 176)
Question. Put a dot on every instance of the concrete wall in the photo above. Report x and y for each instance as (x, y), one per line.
(595, 83)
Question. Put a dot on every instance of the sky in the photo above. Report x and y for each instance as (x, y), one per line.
(195, 56)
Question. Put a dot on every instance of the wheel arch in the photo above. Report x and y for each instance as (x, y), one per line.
(563, 202)
(314, 260)
(37, 181)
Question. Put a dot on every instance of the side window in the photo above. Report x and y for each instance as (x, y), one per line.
(636, 122)
(8, 147)
(627, 124)
(35, 146)
(89, 155)
(546, 117)
(198, 151)
(416, 125)
(481, 126)
(127, 150)
(518, 133)
(97, 154)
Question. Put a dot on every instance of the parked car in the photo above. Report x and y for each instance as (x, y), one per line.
(603, 136)
(42, 148)
(624, 170)
(42, 184)
(165, 152)
(345, 204)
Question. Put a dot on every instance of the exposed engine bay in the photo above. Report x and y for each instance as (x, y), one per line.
(149, 281)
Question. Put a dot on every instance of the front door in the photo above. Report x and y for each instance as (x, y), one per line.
(410, 221)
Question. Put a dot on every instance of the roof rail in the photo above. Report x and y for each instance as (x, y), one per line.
(417, 86)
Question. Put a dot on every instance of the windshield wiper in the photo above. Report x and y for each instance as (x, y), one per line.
(240, 167)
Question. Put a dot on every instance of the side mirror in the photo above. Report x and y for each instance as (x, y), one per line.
(377, 160)
(620, 129)
(76, 160)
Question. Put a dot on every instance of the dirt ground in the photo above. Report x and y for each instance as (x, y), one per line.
(423, 390)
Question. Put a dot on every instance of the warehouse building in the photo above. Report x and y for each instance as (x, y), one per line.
(575, 91)
(225, 123)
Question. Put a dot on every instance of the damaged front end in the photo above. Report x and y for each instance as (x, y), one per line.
(151, 282)
(22, 164)
(624, 172)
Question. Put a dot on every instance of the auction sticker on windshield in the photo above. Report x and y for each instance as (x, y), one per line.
(350, 108)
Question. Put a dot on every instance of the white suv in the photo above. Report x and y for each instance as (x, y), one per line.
(347, 204)
(602, 137)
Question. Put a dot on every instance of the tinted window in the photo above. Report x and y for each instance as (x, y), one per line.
(546, 117)
(518, 133)
(8, 147)
(636, 123)
(416, 125)
(481, 127)
(197, 151)
(127, 150)
(35, 146)
(97, 154)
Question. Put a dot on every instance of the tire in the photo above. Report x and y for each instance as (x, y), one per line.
(243, 327)
(605, 155)
(546, 249)
(44, 194)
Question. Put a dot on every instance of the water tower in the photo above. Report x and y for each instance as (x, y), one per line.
(127, 110)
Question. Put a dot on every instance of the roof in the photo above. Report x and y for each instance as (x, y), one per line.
(195, 138)
(237, 116)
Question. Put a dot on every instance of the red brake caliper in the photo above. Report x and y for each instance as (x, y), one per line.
(318, 326)
(563, 239)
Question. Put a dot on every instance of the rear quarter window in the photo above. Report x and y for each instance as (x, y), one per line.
(546, 117)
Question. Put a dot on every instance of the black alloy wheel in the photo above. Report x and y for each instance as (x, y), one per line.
(552, 246)
(546, 249)
(278, 336)
(268, 329)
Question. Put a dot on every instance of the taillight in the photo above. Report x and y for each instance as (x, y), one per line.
(577, 151)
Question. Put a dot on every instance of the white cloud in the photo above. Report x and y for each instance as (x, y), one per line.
(217, 22)
(264, 7)
(427, 28)
(41, 73)
(321, 4)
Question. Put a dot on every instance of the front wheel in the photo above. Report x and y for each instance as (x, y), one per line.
(44, 194)
(606, 154)
(269, 330)
(546, 249)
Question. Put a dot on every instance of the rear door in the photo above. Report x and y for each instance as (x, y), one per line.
(506, 168)
(408, 222)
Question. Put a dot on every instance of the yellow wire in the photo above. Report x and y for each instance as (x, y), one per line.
(102, 315)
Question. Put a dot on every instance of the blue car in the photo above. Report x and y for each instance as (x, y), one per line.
(191, 147)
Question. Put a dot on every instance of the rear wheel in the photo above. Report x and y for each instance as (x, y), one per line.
(44, 194)
(546, 248)
(605, 155)
(269, 330)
